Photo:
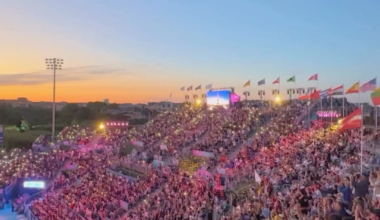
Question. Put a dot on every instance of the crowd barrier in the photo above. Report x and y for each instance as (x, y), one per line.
(122, 175)
(8, 191)
(146, 169)
(203, 154)
(29, 214)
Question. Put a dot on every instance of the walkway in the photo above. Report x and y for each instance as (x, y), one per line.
(7, 214)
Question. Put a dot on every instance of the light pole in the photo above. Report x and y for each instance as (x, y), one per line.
(53, 64)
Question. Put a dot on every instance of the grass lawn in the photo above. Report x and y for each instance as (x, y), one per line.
(16, 139)
(191, 164)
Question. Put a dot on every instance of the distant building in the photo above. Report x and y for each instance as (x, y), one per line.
(107, 101)
(48, 105)
(18, 103)
(23, 102)
(160, 106)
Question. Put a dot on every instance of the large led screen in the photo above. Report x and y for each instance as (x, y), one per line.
(34, 184)
(218, 98)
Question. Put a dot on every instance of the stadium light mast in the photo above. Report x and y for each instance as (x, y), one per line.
(53, 64)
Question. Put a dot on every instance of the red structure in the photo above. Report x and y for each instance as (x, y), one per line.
(118, 124)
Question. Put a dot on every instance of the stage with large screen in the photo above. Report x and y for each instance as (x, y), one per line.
(217, 98)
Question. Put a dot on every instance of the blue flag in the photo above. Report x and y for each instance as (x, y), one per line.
(261, 82)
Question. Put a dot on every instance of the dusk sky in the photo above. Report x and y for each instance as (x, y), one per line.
(142, 50)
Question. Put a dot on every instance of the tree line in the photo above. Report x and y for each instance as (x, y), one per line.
(41, 118)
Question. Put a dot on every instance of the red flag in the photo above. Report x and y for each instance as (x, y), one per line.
(315, 95)
(277, 81)
(353, 120)
(304, 97)
(313, 77)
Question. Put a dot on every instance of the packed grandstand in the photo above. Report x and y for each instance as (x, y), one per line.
(191, 164)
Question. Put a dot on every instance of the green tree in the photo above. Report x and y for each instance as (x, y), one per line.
(9, 115)
(83, 114)
(96, 107)
(68, 113)
(113, 106)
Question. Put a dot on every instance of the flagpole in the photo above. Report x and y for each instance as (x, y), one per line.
(249, 90)
(320, 97)
(192, 94)
(361, 141)
(295, 84)
(308, 106)
(331, 109)
(343, 104)
(376, 117)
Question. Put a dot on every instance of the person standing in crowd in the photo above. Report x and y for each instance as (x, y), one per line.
(361, 185)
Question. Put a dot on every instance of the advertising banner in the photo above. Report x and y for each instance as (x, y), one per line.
(123, 205)
(203, 173)
(203, 153)
(138, 143)
(157, 163)
(1, 135)
(163, 147)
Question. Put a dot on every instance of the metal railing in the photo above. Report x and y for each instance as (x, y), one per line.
(122, 175)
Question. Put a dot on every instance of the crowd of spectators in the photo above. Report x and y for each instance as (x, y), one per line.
(293, 171)
(18, 164)
(75, 135)
(302, 174)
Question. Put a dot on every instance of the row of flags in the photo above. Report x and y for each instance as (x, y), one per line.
(314, 77)
(356, 88)
(190, 88)
(339, 90)
(355, 119)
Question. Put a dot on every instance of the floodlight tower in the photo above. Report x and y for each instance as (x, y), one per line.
(53, 64)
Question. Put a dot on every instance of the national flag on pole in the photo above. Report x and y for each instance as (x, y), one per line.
(375, 96)
(336, 91)
(261, 82)
(315, 95)
(277, 81)
(324, 93)
(189, 88)
(247, 83)
(198, 87)
(353, 120)
(209, 86)
(353, 89)
(182, 88)
(313, 77)
(291, 79)
(369, 86)
(304, 97)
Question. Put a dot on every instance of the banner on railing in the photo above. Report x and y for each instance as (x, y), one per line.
(163, 147)
(203, 173)
(203, 153)
(124, 205)
(122, 175)
(138, 143)
(157, 163)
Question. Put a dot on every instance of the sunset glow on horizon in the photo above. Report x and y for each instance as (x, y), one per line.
(147, 50)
